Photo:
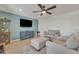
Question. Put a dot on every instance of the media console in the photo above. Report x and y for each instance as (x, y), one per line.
(26, 34)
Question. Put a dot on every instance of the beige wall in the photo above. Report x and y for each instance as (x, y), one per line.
(67, 23)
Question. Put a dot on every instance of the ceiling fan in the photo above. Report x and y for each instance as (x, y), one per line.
(44, 10)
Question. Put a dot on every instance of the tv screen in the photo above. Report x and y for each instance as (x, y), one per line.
(25, 23)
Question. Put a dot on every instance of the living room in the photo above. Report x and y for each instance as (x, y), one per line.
(45, 33)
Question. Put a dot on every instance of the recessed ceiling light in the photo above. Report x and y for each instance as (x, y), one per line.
(20, 10)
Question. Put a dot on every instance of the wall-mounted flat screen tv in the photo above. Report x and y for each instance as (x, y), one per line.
(25, 23)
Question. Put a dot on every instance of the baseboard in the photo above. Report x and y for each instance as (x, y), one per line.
(14, 40)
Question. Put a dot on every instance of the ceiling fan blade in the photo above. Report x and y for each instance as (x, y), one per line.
(51, 8)
(40, 6)
(36, 11)
(41, 14)
(49, 13)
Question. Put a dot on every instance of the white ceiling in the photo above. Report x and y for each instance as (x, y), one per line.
(26, 9)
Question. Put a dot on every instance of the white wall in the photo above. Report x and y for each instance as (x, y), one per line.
(66, 23)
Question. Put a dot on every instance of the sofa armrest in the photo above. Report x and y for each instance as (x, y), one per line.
(53, 48)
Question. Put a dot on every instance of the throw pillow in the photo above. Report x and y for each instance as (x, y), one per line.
(77, 35)
(72, 43)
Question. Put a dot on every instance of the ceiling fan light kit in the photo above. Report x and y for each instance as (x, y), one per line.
(44, 10)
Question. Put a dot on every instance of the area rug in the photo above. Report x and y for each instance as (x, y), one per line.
(31, 50)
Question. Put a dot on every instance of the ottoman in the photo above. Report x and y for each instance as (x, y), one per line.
(38, 43)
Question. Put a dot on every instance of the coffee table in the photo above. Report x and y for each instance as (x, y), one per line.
(39, 42)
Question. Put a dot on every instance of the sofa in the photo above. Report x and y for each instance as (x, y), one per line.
(52, 34)
(60, 46)
(53, 48)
